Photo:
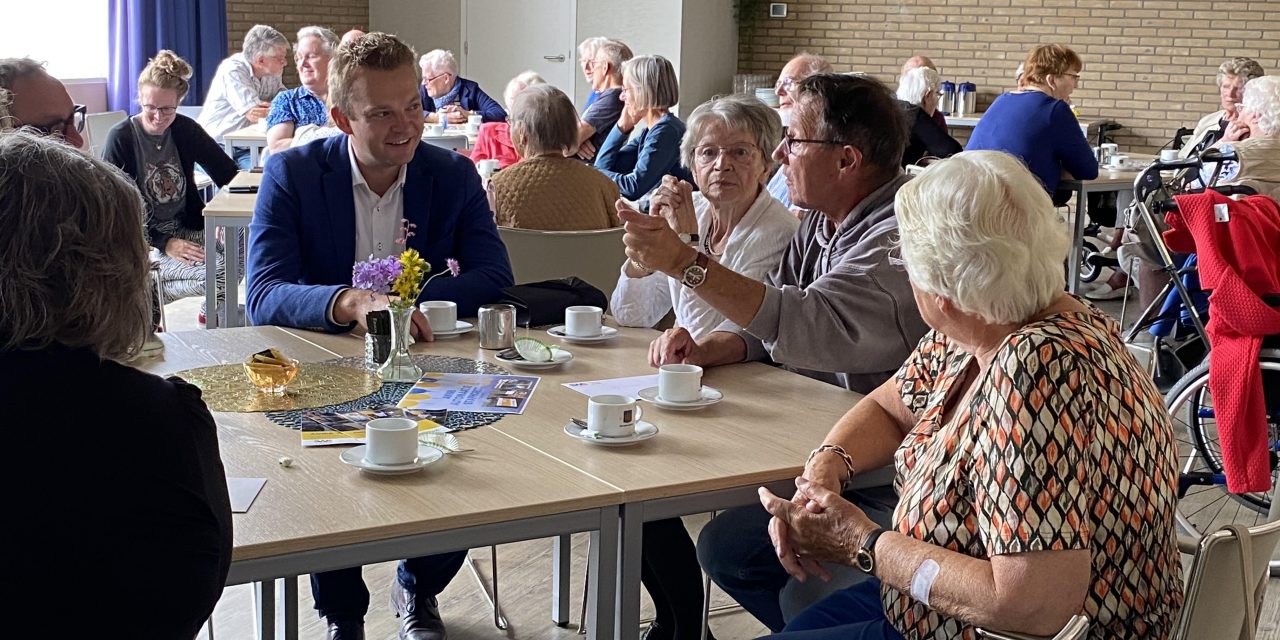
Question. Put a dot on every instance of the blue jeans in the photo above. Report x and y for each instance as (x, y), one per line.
(735, 550)
(342, 594)
(242, 158)
(854, 613)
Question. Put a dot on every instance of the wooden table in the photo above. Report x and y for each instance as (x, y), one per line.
(700, 461)
(1109, 180)
(233, 212)
(252, 137)
(320, 514)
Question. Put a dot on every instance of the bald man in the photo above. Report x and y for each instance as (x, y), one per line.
(797, 69)
(352, 36)
(30, 97)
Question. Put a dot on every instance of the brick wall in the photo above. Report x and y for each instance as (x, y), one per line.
(290, 15)
(1141, 66)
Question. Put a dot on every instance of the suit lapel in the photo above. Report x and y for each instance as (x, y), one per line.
(340, 201)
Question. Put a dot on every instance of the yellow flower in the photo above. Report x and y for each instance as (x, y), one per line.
(409, 284)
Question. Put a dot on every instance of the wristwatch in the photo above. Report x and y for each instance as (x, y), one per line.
(689, 238)
(695, 274)
(865, 559)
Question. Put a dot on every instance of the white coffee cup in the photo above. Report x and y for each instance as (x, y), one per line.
(473, 128)
(1168, 155)
(487, 168)
(679, 382)
(583, 321)
(1111, 149)
(434, 129)
(475, 120)
(442, 315)
(613, 416)
(391, 441)
(1117, 162)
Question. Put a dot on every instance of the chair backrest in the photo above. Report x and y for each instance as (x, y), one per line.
(191, 111)
(96, 127)
(1215, 605)
(594, 256)
(452, 143)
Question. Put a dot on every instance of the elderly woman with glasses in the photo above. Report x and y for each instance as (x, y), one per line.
(1035, 463)
(159, 149)
(918, 97)
(1254, 137)
(147, 514)
(304, 105)
(1232, 76)
(638, 163)
(448, 97)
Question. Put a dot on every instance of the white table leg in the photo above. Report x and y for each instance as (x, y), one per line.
(264, 603)
(561, 557)
(210, 275)
(604, 560)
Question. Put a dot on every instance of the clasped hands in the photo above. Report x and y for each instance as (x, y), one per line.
(816, 525)
(353, 305)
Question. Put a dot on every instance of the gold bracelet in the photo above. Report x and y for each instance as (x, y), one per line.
(836, 449)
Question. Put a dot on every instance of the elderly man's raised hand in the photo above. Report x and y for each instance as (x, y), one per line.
(651, 242)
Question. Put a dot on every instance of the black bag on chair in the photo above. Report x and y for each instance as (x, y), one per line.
(539, 303)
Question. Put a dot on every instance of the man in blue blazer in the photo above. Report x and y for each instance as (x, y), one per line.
(325, 205)
(445, 94)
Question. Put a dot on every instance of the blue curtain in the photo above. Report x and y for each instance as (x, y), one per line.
(194, 29)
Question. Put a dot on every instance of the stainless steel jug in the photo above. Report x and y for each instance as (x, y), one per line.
(497, 326)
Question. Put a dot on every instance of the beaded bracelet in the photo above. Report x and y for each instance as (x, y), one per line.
(836, 449)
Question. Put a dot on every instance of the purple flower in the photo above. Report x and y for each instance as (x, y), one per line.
(454, 267)
(376, 275)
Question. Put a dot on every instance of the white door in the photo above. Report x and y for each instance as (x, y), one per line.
(502, 38)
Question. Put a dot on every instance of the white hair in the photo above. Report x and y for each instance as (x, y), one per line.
(587, 48)
(261, 40)
(917, 83)
(979, 229)
(1262, 97)
(519, 83)
(439, 60)
(737, 112)
(328, 39)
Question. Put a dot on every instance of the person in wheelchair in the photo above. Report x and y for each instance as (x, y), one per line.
(1232, 76)
(1254, 138)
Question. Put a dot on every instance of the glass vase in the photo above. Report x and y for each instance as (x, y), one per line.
(399, 366)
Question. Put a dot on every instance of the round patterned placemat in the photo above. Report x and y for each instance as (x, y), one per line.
(391, 392)
(225, 387)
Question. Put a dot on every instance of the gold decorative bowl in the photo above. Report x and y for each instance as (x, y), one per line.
(272, 379)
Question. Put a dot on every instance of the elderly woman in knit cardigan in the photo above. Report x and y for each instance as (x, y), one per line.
(547, 190)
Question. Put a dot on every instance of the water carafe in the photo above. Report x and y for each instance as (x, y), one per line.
(947, 98)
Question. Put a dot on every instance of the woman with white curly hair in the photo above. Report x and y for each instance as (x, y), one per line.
(1029, 444)
(1257, 163)
(918, 97)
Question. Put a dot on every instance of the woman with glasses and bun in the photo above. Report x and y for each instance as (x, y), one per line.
(159, 149)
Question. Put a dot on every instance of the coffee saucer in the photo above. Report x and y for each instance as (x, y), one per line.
(458, 329)
(644, 431)
(558, 357)
(606, 333)
(355, 457)
(710, 396)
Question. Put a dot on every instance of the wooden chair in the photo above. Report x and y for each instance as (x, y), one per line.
(594, 256)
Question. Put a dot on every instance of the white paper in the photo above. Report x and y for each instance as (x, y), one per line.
(243, 491)
(621, 386)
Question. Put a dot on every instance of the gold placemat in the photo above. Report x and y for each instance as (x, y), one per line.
(225, 387)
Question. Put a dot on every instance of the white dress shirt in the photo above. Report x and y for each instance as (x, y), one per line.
(378, 218)
(754, 248)
(233, 93)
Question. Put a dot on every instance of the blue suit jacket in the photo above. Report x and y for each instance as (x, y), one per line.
(302, 238)
(472, 98)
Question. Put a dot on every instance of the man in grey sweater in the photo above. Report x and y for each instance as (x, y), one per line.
(837, 308)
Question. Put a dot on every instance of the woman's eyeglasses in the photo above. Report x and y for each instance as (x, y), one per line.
(164, 111)
(708, 154)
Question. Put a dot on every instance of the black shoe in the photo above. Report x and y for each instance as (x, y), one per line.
(421, 616)
(345, 629)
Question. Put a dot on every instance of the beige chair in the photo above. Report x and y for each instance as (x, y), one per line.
(1225, 587)
(96, 128)
(594, 256)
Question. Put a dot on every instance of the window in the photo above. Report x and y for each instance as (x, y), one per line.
(77, 48)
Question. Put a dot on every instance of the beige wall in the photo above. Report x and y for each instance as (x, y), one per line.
(1141, 65)
(708, 43)
(290, 15)
(425, 24)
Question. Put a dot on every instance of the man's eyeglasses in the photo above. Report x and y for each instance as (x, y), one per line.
(60, 127)
(791, 144)
(164, 111)
(708, 154)
(784, 84)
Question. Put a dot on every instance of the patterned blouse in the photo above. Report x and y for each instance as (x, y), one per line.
(1064, 444)
(299, 106)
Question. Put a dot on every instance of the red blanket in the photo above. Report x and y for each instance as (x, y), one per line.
(1238, 247)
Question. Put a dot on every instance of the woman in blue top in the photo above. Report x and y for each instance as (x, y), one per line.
(1036, 124)
(649, 89)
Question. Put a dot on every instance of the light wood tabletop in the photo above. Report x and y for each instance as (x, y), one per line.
(228, 204)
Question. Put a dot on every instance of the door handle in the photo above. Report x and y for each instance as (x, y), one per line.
(559, 58)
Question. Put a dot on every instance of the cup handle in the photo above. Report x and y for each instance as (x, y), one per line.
(639, 413)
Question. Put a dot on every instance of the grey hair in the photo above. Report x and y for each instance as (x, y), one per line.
(10, 70)
(741, 112)
(1240, 67)
(811, 64)
(918, 83)
(519, 83)
(73, 260)
(261, 40)
(1262, 97)
(328, 39)
(544, 118)
(654, 80)
(587, 48)
(616, 53)
(439, 60)
(979, 230)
